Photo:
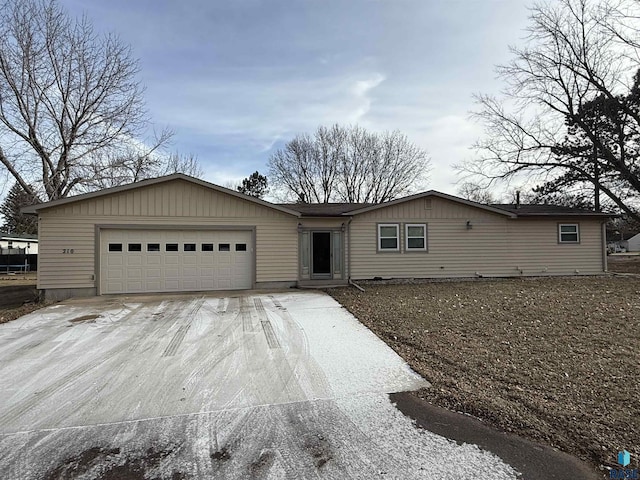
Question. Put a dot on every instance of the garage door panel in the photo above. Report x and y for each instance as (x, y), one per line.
(190, 259)
(134, 273)
(173, 261)
(115, 260)
(134, 260)
(154, 273)
(154, 260)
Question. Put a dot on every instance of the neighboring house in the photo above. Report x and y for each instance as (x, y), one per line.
(633, 244)
(19, 243)
(18, 253)
(618, 242)
(178, 233)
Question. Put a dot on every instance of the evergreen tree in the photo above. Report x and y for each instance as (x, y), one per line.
(254, 185)
(15, 221)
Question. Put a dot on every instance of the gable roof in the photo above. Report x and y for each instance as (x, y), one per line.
(433, 193)
(536, 210)
(33, 209)
(19, 237)
(328, 209)
(325, 209)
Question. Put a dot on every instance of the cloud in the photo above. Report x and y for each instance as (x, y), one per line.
(262, 113)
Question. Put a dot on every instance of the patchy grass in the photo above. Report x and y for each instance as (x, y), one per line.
(555, 359)
(18, 279)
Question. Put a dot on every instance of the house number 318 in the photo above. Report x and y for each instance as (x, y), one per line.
(67, 250)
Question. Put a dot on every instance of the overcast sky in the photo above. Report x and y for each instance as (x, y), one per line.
(237, 79)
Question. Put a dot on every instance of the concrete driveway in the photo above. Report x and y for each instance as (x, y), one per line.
(281, 385)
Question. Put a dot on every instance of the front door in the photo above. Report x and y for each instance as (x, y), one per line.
(321, 255)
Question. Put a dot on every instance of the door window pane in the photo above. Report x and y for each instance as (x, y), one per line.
(115, 247)
(153, 247)
(171, 247)
(135, 247)
(207, 247)
(224, 247)
(189, 247)
(241, 247)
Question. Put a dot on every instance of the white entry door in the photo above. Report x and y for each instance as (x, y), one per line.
(133, 261)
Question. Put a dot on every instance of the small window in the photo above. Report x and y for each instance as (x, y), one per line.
(568, 233)
(388, 237)
(135, 247)
(115, 247)
(153, 247)
(171, 247)
(224, 247)
(207, 247)
(241, 247)
(189, 247)
(416, 235)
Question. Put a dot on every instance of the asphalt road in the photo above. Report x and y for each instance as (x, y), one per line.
(281, 385)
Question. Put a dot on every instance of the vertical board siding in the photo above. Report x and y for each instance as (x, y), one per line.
(173, 204)
(494, 246)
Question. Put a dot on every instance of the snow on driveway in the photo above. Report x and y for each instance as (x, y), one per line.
(282, 385)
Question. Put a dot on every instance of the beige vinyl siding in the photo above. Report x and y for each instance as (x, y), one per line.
(495, 245)
(176, 203)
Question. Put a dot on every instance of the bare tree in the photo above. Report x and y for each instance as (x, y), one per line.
(570, 115)
(70, 101)
(476, 193)
(133, 164)
(349, 164)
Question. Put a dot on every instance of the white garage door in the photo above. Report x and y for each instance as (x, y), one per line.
(174, 261)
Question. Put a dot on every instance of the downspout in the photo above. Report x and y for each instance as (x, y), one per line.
(349, 250)
(603, 240)
(349, 281)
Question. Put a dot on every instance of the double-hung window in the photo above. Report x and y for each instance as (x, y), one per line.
(568, 233)
(416, 237)
(388, 237)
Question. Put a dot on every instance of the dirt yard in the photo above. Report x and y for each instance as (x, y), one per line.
(624, 263)
(18, 296)
(554, 360)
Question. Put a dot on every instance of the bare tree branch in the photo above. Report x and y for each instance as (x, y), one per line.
(70, 101)
(570, 113)
(349, 164)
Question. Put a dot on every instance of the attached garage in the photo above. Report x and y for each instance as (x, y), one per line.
(168, 234)
(171, 260)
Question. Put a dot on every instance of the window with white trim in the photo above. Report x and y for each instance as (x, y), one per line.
(416, 237)
(388, 237)
(568, 233)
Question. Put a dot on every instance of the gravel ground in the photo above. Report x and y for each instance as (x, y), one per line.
(555, 360)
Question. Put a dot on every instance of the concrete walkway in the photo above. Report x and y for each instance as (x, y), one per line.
(281, 385)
